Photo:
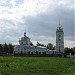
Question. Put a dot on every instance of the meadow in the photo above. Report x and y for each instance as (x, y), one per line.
(37, 66)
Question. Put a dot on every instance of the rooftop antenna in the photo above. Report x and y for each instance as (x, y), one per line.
(58, 24)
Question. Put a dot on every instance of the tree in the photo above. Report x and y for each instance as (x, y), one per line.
(6, 48)
(31, 44)
(39, 44)
(69, 50)
(53, 48)
(50, 46)
(11, 48)
(1, 48)
(73, 50)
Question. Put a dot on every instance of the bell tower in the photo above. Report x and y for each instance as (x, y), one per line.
(59, 40)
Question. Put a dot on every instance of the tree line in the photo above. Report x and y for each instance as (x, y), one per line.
(69, 50)
(6, 49)
(50, 46)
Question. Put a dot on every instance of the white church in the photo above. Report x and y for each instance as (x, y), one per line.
(25, 47)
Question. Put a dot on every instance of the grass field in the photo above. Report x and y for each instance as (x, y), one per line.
(37, 66)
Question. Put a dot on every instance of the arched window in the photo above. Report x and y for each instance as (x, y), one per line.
(28, 52)
(39, 52)
(59, 37)
(31, 52)
(44, 52)
(21, 42)
(21, 52)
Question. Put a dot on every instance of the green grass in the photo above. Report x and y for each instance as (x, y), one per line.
(37, 66)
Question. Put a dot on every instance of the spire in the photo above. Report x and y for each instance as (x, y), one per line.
(24, 34)
(59, 23)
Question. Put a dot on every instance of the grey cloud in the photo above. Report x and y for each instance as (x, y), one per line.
(10, 31)
(43, 24)
(46, 23)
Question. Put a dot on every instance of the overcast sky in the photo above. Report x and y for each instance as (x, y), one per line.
(39, 18)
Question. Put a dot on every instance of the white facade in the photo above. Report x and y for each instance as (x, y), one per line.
(26, 48)
(25, 40)
(59, 40)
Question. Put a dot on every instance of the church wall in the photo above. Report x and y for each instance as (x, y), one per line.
(25, 48)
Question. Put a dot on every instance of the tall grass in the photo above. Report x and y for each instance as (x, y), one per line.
(37, 66)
